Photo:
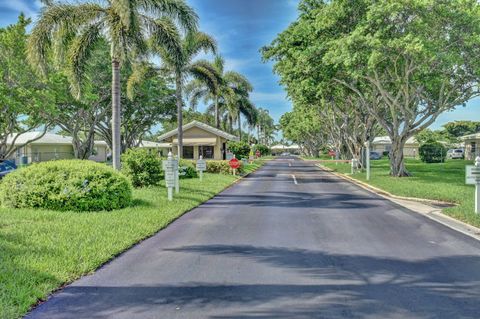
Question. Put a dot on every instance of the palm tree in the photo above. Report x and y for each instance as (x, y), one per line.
(265, 127)
(240, 104)
(180, 63)
(231, 97)
(73, 30)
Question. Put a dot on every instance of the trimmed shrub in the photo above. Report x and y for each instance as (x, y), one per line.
(432, 152)
(240, 149)
(142, 167)
(221, 167)
(264, 149)
(66, 185)
(386, 153)
(187, 168)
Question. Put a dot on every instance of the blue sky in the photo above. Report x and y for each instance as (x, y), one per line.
(241, 28)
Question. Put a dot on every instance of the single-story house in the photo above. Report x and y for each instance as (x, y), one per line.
(384, 144)
(199, 139)
(50, 147)
(471, 144)
(280, 148)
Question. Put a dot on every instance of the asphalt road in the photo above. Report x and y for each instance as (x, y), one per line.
(272, 248)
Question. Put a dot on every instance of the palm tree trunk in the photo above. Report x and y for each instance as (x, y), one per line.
(217, 113)
(116, 114)
(178, 93)
(239, 126)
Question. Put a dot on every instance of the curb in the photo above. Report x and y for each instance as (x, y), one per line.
(435, 213)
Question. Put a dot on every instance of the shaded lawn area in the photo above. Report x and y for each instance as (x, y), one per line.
(440, 181)
(41, 250)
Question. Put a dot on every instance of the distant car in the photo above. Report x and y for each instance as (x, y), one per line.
(7, 167)
(375, 156)
(456, 153)
(285, 154)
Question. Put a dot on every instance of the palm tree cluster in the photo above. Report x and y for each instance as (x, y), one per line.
(136, 31)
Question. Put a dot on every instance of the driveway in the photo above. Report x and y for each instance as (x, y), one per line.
(289, 241)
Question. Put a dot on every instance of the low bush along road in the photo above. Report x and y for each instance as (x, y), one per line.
(289, 241)
(437, 181)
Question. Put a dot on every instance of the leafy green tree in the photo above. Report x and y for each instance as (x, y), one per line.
(72, 30)
(25, 99)
(180, 63)
(405, 61)
(461, 128)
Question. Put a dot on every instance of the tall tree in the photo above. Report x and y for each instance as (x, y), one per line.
(25, 99)
(231, 97)
(406, 61)
(181, 64)
(72, 30)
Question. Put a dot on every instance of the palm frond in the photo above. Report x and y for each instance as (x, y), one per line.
(140, 72)
(164, 39)
(79, 52)
(207, 73)
(219, 63)
(176, 9)
(57, 20)
(238, 82)
(196, 42)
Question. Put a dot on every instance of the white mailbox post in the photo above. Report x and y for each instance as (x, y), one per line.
(472, 177)
(169, 166)
(201, 166)
(354, 165)
(177, 178)
(367, 159)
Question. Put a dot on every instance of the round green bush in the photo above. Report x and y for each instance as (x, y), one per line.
(187, 169)
(66, 185)
(240, 149)
(142, 167)
(432, 152)
(264, 149)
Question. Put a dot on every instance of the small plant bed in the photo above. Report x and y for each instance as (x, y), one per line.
(40, 250)
(436, 181)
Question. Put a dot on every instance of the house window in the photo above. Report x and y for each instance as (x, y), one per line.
(473, 146)
(206, 151)
(188, 152)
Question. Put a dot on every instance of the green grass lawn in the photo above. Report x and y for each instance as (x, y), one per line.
(41, 250)
(442, 181)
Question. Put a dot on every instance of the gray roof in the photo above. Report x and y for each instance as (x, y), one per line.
(47, 139)
(386, 140)
(475, 136)
(203, 126)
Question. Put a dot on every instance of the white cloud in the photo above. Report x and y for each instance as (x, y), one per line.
(29, 8)
(269, 97)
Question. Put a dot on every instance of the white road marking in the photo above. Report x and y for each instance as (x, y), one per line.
(294, 179)
(289, 163)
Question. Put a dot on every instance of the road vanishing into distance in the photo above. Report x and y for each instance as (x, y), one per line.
(289, 241)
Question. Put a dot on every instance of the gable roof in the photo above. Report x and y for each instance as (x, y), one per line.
(150, 144)
(202, 126)
(48, 138)
(386, 140)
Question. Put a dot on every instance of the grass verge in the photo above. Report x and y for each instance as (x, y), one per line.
(41, 250)
(441, 181)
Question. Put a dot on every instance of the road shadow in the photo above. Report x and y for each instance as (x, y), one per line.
(342, 286)
(296, 200)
